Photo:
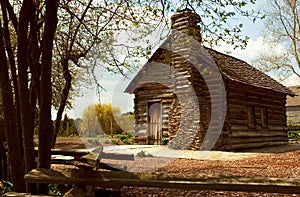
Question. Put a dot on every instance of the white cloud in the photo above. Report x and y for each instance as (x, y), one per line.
(253, 49)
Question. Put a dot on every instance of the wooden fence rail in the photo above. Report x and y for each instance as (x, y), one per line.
(160, 180)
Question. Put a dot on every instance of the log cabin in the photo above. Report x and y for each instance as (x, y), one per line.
(196, 98)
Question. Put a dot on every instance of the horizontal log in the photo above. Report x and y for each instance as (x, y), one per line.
(245, 98)
(154, 91)
(142, 115)
(83, 152)
(241, 114)
(141, 109)
(67, 152)
(62, 161)
(243, 102)
(276, 122)
(254, 133)
(113, 167)
(252, 145)
(273, 109)
(117, 156)
(278, 128)
(153, 96)
(239, 128)
(240, 140)
(275, 116)
(239, 122)
(234, 116)
(17, 194)
(236, 111)
(160, 180)
(167, 101)
(238, 87)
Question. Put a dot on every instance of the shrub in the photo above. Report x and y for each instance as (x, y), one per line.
(6, 187)
(128, 141)
(294, 135)
(122, 136)
(114, 142)
(143, 154)
(294, 127)
(93, 141)
(53, 190)
(164, 141)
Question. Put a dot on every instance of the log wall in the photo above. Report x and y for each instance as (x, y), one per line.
(242, 135)
(155, 85)
(236, 132)
(141, 100)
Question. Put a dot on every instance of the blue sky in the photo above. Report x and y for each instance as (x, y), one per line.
(115, 85)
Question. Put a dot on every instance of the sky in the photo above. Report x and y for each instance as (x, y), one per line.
(115, 85)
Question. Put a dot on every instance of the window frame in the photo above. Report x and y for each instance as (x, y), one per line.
(264, 117)
(251, 117)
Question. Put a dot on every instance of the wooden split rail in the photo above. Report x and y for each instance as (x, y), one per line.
(86, 178)
(119, 179)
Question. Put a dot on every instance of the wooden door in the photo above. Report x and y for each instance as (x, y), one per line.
(154, 122)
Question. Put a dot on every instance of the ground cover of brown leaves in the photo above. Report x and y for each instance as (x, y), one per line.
(280, 165)
(69, 143)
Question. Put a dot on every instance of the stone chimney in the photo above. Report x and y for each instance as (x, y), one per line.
(185, 50)
(187, 21)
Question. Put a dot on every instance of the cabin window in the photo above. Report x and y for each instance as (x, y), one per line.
(264, 116)
(251, 116)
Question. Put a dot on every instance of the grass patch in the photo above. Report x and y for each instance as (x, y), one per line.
(143, 154)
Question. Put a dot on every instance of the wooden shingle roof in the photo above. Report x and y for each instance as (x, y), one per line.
(240, 71)
(232, 68)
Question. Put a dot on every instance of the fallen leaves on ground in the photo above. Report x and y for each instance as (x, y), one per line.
(280, 165)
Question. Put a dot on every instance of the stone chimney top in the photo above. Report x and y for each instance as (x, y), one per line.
(187, 21)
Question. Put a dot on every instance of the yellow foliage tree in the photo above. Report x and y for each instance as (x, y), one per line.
(107, 115)
(90, 126)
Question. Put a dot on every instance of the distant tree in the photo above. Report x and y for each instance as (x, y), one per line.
(126, 122)
(90, 126)
(282, 35)
(71, 130)
(106, 115)
(67, 127)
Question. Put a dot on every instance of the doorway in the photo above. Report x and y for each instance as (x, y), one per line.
(154, 122)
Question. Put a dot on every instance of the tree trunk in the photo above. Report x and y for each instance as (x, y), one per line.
(64, 98)
(15, 155)
(46, 126)
(13, 69)
(27, 115)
